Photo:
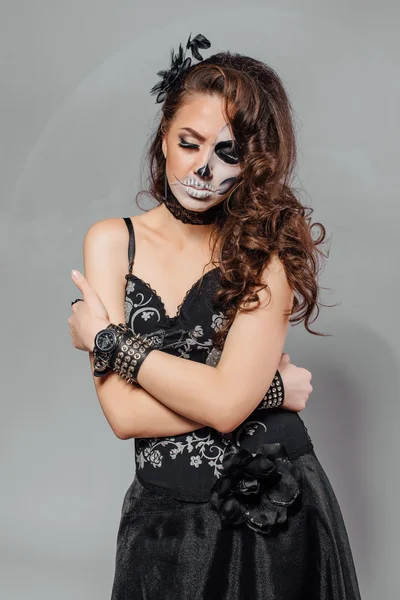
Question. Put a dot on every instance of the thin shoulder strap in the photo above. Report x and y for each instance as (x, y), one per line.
(131, 247)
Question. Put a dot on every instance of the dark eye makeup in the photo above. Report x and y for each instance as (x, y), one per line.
(224, 150)
(184, 144)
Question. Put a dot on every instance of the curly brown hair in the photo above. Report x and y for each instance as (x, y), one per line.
(262, 215)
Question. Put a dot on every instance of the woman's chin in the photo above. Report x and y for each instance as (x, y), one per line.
(197, 204)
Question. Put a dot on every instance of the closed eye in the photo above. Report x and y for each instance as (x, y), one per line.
(187, 146)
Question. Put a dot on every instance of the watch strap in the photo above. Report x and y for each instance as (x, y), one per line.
(102, 360)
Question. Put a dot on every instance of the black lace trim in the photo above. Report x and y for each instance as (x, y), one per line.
(177, 315)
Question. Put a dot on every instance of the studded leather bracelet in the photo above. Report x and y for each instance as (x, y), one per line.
(127, 359)
(275, 394)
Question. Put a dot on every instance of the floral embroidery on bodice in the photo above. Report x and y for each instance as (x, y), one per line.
(186, 334)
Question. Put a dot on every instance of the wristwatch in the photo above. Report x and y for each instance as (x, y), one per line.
(105, 344)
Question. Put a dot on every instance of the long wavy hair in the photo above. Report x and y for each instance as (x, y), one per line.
(262, 215)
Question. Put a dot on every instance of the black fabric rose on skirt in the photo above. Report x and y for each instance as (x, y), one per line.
(256, 489)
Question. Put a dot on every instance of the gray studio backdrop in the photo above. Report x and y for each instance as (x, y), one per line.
(75, 115)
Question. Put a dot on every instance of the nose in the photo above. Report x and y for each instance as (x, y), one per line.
(204, 171)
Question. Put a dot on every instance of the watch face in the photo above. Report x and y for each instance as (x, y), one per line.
(105, 340)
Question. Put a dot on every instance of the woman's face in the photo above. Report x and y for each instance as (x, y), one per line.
(202, 164)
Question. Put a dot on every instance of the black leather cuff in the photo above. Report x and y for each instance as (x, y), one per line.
(130, 355)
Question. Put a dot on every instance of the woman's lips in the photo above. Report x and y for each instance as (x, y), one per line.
(198, 187)
(197, 193)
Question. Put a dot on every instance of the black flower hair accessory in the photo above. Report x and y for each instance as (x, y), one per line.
(179, 64)
(256, 489)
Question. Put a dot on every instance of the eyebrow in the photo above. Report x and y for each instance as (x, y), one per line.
(194, 133)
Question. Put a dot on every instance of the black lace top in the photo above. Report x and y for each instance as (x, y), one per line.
(186, 466)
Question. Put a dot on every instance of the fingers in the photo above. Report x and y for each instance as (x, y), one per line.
(309, 391)
(81, 283)
(306, 372)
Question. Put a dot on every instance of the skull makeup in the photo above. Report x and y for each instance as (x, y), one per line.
(202, 163)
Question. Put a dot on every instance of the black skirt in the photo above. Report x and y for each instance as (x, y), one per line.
(170, 549)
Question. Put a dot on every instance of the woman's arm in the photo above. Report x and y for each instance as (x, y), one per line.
(130, 410)
(221, 396)
(224, 396)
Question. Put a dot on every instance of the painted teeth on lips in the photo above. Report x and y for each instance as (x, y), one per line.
(197, 193)
(198, 184)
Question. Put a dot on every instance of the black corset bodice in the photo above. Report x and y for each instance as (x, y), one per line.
(187, 465)
(188, 334)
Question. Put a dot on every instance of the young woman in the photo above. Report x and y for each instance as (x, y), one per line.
(229, 500)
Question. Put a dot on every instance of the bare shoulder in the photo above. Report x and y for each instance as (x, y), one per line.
(105, 257)
(279, 290)
(105, 247)
(274, 265)
(106, 232)
(106, 241)
(108, 236)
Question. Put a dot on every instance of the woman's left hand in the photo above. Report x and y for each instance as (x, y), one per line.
(88, 317)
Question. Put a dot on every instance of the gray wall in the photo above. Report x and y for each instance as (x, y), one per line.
(75, 114)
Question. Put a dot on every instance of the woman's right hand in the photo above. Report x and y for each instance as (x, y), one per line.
(296, 383)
